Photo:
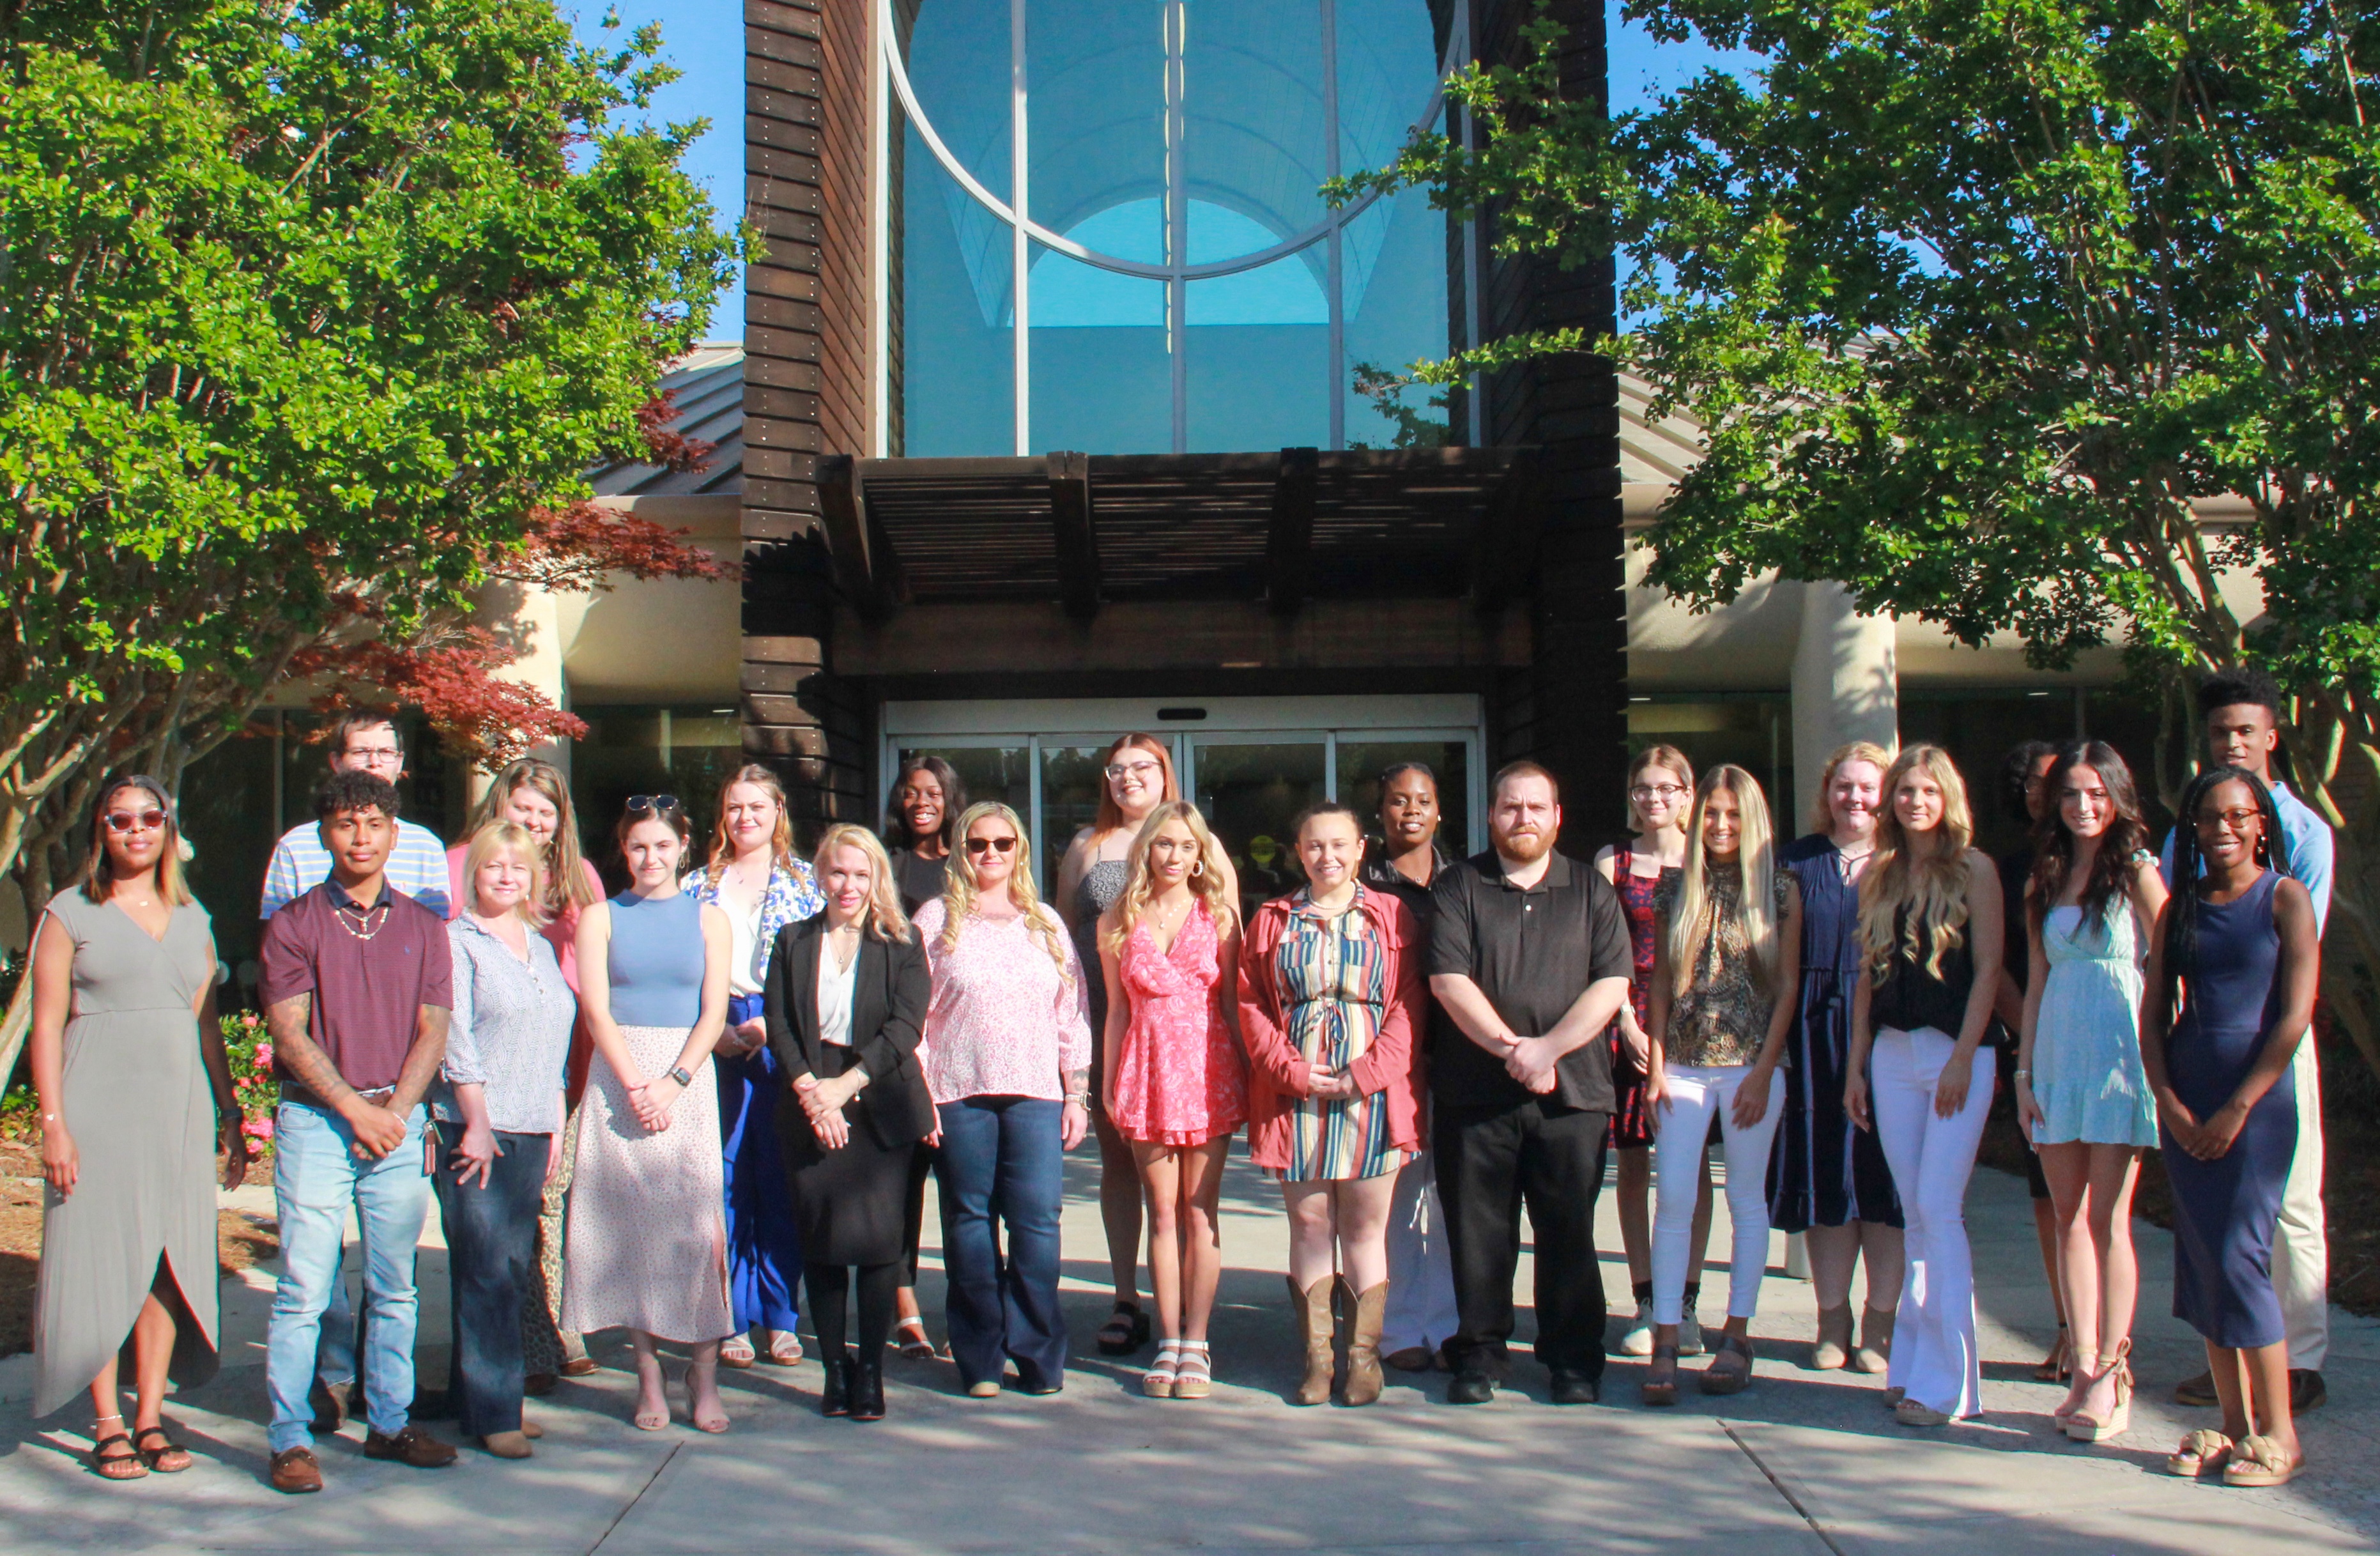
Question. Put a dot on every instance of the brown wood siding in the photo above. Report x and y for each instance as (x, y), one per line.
(806, 384)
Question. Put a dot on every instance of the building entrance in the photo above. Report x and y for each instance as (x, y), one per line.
(1250, 764)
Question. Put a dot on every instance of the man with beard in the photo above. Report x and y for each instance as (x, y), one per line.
(1529, 962)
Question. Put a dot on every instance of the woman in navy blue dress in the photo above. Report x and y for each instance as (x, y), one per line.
(2241, 953)
(1828, 1179)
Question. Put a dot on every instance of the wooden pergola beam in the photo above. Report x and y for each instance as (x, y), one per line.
(1288, 544)
(862, 563)
(1074, 532)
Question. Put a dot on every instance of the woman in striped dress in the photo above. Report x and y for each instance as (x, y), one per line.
(1330, 990)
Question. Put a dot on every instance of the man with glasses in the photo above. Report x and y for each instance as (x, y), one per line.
(364, 743)
(2243, 709)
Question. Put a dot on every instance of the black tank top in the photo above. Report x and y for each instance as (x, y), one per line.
(1908, 997)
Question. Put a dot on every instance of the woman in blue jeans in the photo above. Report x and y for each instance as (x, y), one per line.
(498, 1107)
(1008, 1037)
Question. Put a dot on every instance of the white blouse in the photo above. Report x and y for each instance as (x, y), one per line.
(834, 992)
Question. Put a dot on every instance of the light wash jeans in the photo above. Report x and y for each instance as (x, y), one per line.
(1696, 1091)
(316, 1179)
(1934, 1359)
(1421, 1278)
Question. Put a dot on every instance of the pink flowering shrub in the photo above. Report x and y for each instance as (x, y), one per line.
(249, 1046)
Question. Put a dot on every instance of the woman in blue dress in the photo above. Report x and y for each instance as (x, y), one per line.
(2082, 1096)
(2237, 950)
(1828, 1179)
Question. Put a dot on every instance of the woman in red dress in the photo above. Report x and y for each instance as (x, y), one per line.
(1176, 1080)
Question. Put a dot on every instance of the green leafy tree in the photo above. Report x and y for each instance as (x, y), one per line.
(2025, 316)
(311, 316)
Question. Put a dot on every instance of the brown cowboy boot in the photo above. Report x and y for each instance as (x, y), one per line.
(1364, 1344)
(1313, 1307)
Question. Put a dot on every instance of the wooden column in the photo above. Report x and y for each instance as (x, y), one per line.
(805, 319)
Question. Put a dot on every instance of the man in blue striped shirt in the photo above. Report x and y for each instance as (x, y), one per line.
(417, 867)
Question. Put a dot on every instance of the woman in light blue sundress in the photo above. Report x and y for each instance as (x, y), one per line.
(2083, 1096)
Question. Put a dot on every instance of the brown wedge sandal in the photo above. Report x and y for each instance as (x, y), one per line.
(1729, 1371)
(1661, 1385)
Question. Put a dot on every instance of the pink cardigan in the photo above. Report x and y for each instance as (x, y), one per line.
(1390, 1069)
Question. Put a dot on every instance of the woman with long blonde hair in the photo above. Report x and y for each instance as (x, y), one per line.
(1929, 942)
(1008, 1042)
(847, 993)
(1829, 1180)
(1176, 1081)
(1726, 951)
(753, 878)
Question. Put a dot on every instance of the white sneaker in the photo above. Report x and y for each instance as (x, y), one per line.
(1637, 1340)
(1690, 1336)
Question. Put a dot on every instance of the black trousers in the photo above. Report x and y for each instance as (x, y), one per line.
(1492, 1161)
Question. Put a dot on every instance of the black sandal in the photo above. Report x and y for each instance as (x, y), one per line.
(1125, 1331)
(126, 1465)
(166, 1448)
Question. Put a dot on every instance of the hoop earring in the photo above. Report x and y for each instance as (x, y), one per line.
(1197, 868)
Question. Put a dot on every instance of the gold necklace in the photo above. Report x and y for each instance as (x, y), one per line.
(370, 930)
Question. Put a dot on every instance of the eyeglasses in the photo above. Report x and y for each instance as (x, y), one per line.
(992, 844)
(132, 820)
(1657, 791)
(1137, 768)
(376, 756)
(639, 804)
(2236, 822)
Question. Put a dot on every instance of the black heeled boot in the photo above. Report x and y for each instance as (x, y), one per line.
(868, 1389)
(836, 1398)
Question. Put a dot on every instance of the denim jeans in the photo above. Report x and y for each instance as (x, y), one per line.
(316, 1180)
(490, 1261)
(1002, 1161)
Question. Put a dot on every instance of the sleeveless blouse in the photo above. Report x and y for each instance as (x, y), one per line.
(656, 960)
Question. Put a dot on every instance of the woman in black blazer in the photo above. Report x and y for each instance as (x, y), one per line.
(846, 1005)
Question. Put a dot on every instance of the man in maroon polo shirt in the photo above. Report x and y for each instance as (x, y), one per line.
(357, 983)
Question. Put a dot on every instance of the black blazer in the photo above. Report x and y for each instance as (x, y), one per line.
(889, 992)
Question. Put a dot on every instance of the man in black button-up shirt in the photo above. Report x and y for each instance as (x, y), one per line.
(1529, 962)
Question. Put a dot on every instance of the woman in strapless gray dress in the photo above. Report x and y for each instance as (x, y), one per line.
(129, 1067)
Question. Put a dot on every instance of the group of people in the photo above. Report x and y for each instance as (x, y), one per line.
(685, 1110)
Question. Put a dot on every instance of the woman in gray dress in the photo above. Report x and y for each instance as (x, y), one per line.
(134, 1094)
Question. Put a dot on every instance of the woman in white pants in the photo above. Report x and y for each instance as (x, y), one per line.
(1727, 942)
(1929, 932)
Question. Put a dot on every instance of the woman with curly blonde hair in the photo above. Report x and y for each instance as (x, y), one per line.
(1177, 1084)
(1008, 1042)
(846, 998)
(1929, 942)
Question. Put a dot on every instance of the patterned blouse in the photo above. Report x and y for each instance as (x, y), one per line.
(792, 896)
(1005, 1021)
(1722, 1018)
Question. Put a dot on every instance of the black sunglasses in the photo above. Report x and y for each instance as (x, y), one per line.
(999, 844)
(639, 803)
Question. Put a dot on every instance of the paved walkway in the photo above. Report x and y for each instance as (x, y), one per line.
(1802, 1462)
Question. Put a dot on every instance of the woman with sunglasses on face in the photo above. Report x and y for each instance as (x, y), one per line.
(848, 992)
(1929, 938)
(1330, 990)
(1660, 797)
(134, 1094)
(753, 878)
(2081, 1095)
(1828, 1179)
(1176, 1081)
(1008, 1041)
(2232, 972)
(647, 1229)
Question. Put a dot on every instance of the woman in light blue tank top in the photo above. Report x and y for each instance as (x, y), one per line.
(648, 1234)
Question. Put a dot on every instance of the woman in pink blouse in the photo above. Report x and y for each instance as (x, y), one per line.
(1008, 1055)
(1177, 1081)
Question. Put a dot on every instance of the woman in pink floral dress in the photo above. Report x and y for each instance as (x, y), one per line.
(1176, 1077)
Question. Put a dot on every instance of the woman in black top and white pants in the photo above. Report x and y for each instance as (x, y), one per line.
(1929, 931)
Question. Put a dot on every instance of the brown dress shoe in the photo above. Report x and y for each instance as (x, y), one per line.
(2198, 1390)
(2306, 1391)
(412, 1446)
(579, 1366)
(530, 1429)
(296, 1472)
(1413, 1358)
(330, 1405)
(506, 1445)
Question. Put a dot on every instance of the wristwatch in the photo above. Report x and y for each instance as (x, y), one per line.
(679, 1073)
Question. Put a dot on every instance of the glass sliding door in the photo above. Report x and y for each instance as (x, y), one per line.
(1251, 790)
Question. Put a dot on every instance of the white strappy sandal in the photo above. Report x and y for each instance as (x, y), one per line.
(1158, 1382)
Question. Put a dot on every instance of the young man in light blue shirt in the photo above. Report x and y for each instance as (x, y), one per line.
(2242, 713)
(417, 867)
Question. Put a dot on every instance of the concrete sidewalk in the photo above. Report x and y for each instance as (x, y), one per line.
(1803, 1461)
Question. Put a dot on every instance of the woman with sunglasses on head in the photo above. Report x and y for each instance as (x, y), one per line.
(753, 878)
(535, 796)
(1175, 1076)
(1008, 1041)
(1660, 797)
(135, 1095)
(847, 995)
(1828, 1179)
(2232, 972)
(1728, 930)
(648, 1228)
(2081, 1095)
(1929, 938)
